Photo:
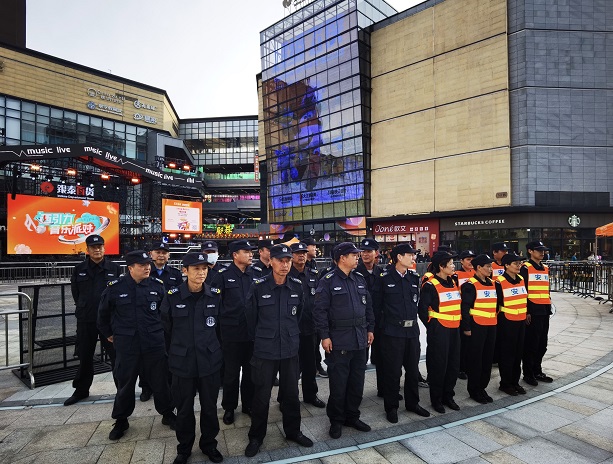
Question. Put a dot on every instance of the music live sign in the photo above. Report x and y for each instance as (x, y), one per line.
(424, 233)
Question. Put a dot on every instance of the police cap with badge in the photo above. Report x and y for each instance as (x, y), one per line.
(466, 254)
(511, 258)
(93, 240)
(481, 260)
(194, 258)
(238, 245)
(403, 248)
(369, 244)
(280, 251)
(209, 245)
(266, 244)
(137, 257)
(161, 247)
(500, 246)
(344, 248)
(536, 245)
(309, 241)
(299, 247)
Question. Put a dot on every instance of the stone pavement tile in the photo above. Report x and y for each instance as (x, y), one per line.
(501, 457)
(316, 427)
(428, 447)
(159, 430)
(604, 418)
(603, 384)
(14, 441)
(60, 437)
(492, 432)
(512, 427)
(596, 436)
(542, 422)
(318, 447)
(476, 460)
(8, 416)
(89, 412)
(284, 453)
(368, 456)
(87, 455)
(538, 450)
(41, 417)
(395, 453)
(236, 440)
(556, 410)
(570, 405)
(584, 449)
(149, 451)
(140, 429)
(588, 391)
(118, 453)
(474, 439)
(592, 403)
(338, 459)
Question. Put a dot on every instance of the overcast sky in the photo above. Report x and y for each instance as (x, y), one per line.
(204, 53)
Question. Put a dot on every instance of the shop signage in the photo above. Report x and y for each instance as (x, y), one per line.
(297, 3)
(104, 107)
(479, 222)
(145, 106)
(423, 232)
(574, 220)
(107, 96)
(145, 118)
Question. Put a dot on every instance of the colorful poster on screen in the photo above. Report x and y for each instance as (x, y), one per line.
(59, 226)
(183, 217)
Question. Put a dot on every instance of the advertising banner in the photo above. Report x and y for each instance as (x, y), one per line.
(181, 216)
(43, 225)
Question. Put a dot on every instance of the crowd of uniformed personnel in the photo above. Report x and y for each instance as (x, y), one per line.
(248, 326)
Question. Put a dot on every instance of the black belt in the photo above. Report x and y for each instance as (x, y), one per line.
(405, 323)
(348, 322)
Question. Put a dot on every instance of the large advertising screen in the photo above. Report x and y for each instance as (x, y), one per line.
(43, 225)
(183, 217)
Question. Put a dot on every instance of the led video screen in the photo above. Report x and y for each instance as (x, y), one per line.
(183, 217)
(45, 225)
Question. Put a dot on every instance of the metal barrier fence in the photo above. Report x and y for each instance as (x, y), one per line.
(583, 279)
(24, 367)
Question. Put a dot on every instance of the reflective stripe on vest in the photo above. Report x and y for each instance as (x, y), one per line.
(449, 311)
(538, 284)
(497, 270)
(426, 277)
(463, 276)
(484, 309)
(515, 299)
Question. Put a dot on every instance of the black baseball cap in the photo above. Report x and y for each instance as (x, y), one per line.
(403, 248)
(161, 246)
(266, 244)
(500, 246)
(481, 260)
(466, 254)
(280, 251)
(193, 258)
(94, 240)
(241, 245)
(441, 257)
(536, 245)
(209, 245)
(309, 241)
(137, 257)
(369, 244)
(444, 248)
(510, 258)
(299, 247)
(344, 249)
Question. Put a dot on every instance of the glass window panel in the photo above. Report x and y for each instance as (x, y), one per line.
(12, 103)
(13, 128)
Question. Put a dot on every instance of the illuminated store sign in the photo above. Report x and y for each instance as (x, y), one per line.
(146, 118)
(145, 106)
(106, 108)
(107, 96)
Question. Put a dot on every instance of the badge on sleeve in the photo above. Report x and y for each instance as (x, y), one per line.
(153, 306)
(363, 299)
(313, 291)
(210, 321)
(415, 298)
(294, 309)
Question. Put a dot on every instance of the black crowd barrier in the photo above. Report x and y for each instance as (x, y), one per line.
(54, 328)
(582, 278)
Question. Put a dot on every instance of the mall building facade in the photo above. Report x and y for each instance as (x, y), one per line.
(457, 122)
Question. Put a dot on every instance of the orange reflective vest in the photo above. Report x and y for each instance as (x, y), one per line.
(463, 276)
(449, 312)
(426, 277)
(497, 270)
(484, 309)
(515, 299)
(538, 284)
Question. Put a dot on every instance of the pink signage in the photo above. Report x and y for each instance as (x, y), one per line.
(424, 233)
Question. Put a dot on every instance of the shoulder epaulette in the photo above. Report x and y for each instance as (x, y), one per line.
(215, 290)
(329, 275)
(383, 274)
(257, 268)
(112, 282)
(260, 280)
(160, 281)
(359, 273)
(298, 281)
(223, 269)
(173, 290)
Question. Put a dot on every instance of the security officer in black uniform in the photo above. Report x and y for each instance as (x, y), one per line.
(345, 322)
(171, 277)
(309, 344)
(87, 283)
(234, 283)
(311, 252)
(262, 266)
(274, 309)
(190, 314)
(212, 250)
(129, 317)
(396, 295)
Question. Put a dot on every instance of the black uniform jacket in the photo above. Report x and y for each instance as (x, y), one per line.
(534, 308)
(191, 320)
(395, 298)
(87, 283)
(343, 310)
(171, 276)
(129, 310)
(429, 297)
(308, 280)
(234, 285)
(273, 315)
(213, 272)
(260, 269)
(371, 278)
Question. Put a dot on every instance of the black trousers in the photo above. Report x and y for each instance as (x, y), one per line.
(442, 360)
(263, 372)
(346, 372)
(464, 339)
(237, 356)
(376, 358)
(510, 335)
(307, 356)
(535, 345)
(127, 366)
(87, 338)
(143, 383)
(480, 354)
(183, 393)
(398, 353)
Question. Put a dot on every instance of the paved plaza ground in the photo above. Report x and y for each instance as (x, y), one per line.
(567, 421)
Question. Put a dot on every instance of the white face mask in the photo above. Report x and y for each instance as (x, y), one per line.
(212, 257)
